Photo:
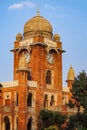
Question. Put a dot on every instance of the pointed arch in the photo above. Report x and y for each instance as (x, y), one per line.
(45, 100)
(29, 75)
(7, 123)
(48, 77)
(29, 100)
(52, 100)
(29, 124)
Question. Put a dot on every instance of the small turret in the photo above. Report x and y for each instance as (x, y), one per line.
(56, 38)
(70, 77)
(19, 37)
(71, 74)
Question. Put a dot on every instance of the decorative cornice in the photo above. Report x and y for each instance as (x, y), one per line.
(28, 48)
(14, 49)
(22, 69)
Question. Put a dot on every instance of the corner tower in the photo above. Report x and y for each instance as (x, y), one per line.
(38, 68)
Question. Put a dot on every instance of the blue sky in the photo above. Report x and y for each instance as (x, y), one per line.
(68, 18)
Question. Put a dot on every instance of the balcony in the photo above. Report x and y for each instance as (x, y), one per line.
(64, 109)
(32, 83)
(5, 109)
(10, 84)
(66, 89)
(8, 109)
(31, 109)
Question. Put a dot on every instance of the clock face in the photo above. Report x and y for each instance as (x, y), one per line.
(27, 57)
(50, 58)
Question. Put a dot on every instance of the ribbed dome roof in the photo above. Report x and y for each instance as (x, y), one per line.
(71, 74)
(37, 23)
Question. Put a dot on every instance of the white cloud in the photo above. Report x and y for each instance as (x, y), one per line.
(22, 5)
(16, 6)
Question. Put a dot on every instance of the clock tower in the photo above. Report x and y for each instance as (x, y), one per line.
(38, 69)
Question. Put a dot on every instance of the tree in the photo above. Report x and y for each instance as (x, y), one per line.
(79, 99)
(49, 118)
(45, 119)
(59, 118)
(79, 91)
(1, 86)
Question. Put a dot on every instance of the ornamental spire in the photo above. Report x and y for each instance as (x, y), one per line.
(38, 12)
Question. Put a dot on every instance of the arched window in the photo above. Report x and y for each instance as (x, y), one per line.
(29, 100)
(16, 123)
(16, 99)
(7, 123)
(48, 77)
(29, 124)
(29, 75)
(52, 101)
(46, 100)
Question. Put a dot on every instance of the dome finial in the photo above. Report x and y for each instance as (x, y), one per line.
(38, 12)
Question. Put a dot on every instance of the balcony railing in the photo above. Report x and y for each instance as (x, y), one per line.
(64, 109)
(10, 84)
(8, 109)
(31, 109)
(66, 89)
(5, 109)
(32, 83)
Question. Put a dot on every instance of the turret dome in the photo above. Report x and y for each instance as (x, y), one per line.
(19, 37)
(37, 24)
(71, 74)
(56, 38)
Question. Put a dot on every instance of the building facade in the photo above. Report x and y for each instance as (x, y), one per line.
(37, 79)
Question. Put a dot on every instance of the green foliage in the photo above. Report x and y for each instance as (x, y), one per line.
(59, 118)
(79, 99)
(79, 90)
(83, 119)
(1, 85)
(49, 118)
(77, 121)
(70, 104)
(51, 128)
(82, 128)
(72, 123)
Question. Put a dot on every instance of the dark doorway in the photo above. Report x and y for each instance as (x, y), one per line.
(29, 125)
(29, 100)
(7, 123)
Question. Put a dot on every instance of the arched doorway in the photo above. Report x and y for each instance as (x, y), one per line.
(29, 124)
(7, 123)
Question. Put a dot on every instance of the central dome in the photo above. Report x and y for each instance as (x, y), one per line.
(37, 24)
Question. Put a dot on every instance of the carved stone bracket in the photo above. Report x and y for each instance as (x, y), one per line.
(28, 48)
(48, 49)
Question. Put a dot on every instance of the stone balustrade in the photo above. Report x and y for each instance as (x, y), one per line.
(64, 109)
(65, 89)
(5, 109)
(10, 84)
(50, 43)
(26, 42)
(31, 109)
(32, 83)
